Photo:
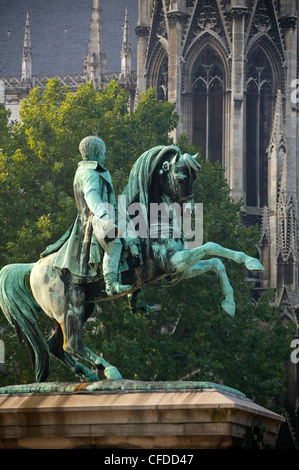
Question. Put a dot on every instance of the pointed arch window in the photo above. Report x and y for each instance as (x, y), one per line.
(162, 81)
(208, 103)
(259, 118)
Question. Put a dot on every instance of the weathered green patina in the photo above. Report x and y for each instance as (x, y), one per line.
(70, 277)
(86, 250)
(117, 385)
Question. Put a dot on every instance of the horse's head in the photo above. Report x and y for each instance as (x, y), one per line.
(177, 176)
(162, 170)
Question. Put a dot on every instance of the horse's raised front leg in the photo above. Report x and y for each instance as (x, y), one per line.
(184, 259)
(74, 319)
(215, 264)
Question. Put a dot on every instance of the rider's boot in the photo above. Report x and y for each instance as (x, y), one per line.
(138, 303)
(111, 270)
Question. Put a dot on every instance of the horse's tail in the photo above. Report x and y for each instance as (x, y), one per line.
(21, 310)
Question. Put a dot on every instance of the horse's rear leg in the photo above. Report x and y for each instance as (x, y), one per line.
(56, 343)
(74, 319)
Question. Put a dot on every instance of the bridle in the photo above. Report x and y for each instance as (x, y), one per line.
(175, 176)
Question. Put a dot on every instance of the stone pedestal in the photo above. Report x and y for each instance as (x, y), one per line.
(130, 415)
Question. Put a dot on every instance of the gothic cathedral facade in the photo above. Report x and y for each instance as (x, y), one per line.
(231, 69)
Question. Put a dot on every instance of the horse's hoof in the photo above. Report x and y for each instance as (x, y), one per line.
(112, 373)
(229, 307)
(92, 377)
(253, 264)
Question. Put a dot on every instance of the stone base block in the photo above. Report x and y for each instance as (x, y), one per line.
(128, 418)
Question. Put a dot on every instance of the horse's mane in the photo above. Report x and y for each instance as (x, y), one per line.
(141, 174)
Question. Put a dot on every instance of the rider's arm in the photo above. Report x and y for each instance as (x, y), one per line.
(92, 194)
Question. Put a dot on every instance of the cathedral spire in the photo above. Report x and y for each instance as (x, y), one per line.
(277, 124)
(27, 55)
(126, 53)
(287, 213)
(95, 61)
(276, 153)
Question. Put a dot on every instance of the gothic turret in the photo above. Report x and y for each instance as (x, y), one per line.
(95, 60)
(287, 238)
(278, 246)
(126, 54)
(27, 55)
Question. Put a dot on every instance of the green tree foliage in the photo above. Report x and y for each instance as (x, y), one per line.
(190, 336)
(37, 168)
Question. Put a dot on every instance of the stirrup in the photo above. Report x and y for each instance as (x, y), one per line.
(138, 304)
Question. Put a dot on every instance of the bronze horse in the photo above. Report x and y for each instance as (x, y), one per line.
(27, 290)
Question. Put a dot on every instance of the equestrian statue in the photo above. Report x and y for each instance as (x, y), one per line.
(104, 256)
